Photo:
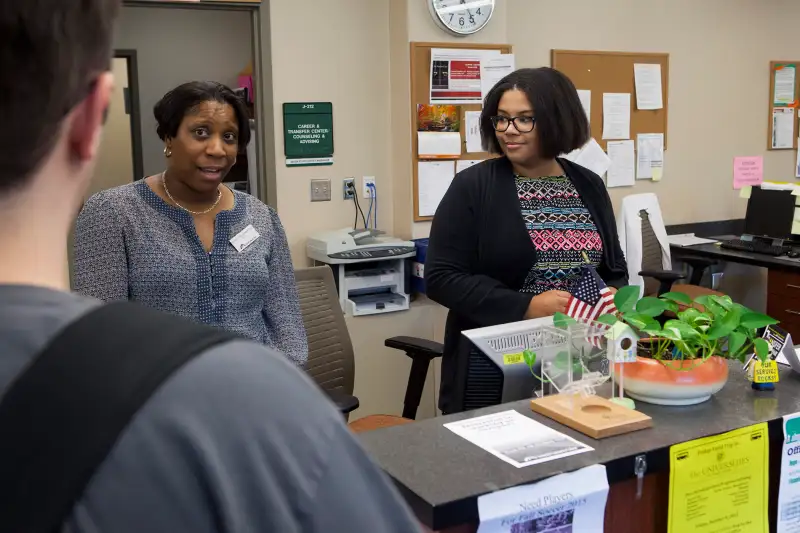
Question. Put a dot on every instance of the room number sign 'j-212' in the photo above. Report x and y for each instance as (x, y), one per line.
(308, 134)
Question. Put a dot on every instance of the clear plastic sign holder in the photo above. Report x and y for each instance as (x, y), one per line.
(581, 367)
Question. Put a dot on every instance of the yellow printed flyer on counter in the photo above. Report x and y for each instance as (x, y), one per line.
(719, 484)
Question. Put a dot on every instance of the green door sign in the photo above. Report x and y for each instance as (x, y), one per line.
(308, 133)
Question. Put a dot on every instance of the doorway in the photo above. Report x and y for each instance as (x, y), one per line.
(120, 158)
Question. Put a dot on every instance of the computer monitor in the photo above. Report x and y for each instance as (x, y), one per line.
(770, 213)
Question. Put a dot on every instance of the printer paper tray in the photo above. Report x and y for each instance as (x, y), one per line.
(374, 303)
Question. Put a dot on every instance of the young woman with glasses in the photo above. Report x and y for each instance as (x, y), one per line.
(511, 234)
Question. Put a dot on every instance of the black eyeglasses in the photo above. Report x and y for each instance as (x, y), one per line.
(522, 124)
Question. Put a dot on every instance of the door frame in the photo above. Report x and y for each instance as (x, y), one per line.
(134, 111)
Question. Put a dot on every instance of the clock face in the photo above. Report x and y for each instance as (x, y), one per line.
(462, 17)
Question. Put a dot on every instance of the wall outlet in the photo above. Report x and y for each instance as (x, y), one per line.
(320, 190)
(365, 181)
(348, 188)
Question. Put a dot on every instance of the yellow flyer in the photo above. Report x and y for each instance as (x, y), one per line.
(719, 484)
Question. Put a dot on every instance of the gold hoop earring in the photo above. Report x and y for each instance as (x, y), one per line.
(167, 152)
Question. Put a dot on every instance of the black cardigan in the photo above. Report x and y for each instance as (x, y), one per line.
(480, 253)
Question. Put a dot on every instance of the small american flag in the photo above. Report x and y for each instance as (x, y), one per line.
(590, 298)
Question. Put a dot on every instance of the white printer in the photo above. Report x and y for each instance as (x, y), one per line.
(370, 268)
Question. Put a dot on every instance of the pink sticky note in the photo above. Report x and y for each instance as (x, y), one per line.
(748, 171)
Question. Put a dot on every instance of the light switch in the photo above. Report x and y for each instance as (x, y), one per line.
(320, 190)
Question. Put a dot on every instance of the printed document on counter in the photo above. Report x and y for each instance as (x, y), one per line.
(517, 439)
(561, 504)
(719, 484)
(789, 488)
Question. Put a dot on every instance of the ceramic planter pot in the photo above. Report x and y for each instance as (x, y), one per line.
(674, 382)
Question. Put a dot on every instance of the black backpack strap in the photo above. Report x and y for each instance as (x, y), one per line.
(61, 418)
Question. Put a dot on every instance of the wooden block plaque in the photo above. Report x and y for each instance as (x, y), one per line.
(594, 416)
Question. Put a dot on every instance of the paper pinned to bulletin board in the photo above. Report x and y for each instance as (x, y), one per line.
(721, 480)
(784, 97)
(797, 164)
(438, 131)
(439, 72)
(455, 75)
(784, 84)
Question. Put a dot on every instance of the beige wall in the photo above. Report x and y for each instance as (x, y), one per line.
(115, 157)
(338, 55)
(719, 54)
(719, 82)
(179, 45)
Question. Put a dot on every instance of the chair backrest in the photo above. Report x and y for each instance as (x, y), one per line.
(330, 352)
(652, 254)
(643, 238)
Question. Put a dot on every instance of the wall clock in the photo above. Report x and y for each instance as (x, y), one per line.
(461, 17)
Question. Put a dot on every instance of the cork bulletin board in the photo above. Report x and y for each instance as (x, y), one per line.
(612, 72)
(789, 107)
(421, 94)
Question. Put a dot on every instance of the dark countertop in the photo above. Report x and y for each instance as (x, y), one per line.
(714, 251)
(441, 474)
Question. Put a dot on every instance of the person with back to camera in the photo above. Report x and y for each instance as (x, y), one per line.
(511, 234)
(236, 439)
(182, 242)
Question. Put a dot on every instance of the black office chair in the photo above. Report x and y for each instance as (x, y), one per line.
(421, 352)
(657, 280)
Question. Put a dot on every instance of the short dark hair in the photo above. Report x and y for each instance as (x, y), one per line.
(177, 103)
(561, 121)
(50, 52)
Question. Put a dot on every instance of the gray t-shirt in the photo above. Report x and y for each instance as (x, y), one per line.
(237, 440)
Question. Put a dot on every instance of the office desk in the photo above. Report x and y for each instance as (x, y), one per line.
(442, 475)
(783, 283)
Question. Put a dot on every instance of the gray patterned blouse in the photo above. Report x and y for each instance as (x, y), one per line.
(132, 245)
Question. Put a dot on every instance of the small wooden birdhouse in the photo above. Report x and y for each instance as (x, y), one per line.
(622, 343)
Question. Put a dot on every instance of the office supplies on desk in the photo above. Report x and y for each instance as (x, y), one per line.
(756, 247)
(688, 239)
(371, 269)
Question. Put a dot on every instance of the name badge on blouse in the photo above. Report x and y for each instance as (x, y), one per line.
(245, 238)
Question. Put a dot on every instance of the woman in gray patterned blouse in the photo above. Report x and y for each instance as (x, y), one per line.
(182, 242)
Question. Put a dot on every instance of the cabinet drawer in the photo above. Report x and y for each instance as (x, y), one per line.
(787, 314)
(783, 283)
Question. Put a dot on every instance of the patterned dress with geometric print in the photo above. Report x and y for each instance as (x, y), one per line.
(562, 231)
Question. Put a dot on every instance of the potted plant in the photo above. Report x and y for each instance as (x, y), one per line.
(684, 344)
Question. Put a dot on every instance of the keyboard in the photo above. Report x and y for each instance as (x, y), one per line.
(756, 247)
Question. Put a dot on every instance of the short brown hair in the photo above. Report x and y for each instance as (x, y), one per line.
(561, 122)
(50, 53)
